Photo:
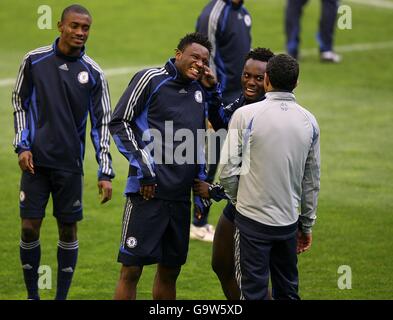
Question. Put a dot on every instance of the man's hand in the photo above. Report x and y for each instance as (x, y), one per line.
(105, 190)
(201, 188)
(148, 191)
(26, 161)
(304, 241)
(208, 78)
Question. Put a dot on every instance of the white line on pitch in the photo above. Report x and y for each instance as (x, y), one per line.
(374, 3)
(305, 52)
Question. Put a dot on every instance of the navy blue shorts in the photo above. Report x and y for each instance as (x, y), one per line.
(155, 231)
(66, 190)
(229, 211)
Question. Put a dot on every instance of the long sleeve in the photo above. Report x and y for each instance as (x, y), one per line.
(230, 166)
(216, 115)
(128, 122)
(100, 116)
(201, 160)
(21, 97)
(220, 114)
(311, 183)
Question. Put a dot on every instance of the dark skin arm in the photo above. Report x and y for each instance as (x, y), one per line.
(148, 191)
(26, 161)
(201, 188)
(105, 190)
(304, 241)
(208, 80)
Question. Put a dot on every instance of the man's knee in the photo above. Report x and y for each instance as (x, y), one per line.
(30, 234)
(130, 274)
(67, 232)
(168, 273)
(30, 230)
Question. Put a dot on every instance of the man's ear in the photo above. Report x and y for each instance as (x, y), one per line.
(60, 26)
(178, 54)
(266, 82)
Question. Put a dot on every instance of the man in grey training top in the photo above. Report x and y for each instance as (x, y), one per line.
(270, 165)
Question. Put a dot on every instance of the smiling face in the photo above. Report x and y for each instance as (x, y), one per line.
(191, 62)
(74, 31)
(252, 79)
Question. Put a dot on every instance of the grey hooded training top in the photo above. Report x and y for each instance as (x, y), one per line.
(270, 162)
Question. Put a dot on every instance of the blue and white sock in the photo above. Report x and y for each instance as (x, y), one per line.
(30, 256)
(67, 255)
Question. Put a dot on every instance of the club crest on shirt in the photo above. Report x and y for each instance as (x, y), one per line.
(198, 96)
(131, 242)
(22, 196)
(83, 77)
(284, 106)
(247, 20)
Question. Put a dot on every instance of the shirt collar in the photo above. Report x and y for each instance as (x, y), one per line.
(60, 54)
(244, 101)
(174, 72)
(280, 95)
(232, 4)
(171, 68)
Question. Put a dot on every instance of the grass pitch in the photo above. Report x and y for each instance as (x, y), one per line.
(352, 102)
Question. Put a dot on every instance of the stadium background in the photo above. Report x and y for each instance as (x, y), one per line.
(352, 101)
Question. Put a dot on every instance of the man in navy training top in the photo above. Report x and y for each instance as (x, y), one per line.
(325, 36)
(219, 116)
(57, 87)
(161, 112)
(227, 24)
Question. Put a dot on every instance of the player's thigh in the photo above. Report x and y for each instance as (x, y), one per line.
(252, 257)
(177, 234)
(223, 246)
(144, 224)
(34, 194)
(283, 268)
(67, 196)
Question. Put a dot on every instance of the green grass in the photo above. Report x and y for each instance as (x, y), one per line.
(352, 102)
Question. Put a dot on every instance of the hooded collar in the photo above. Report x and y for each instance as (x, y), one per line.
(171, 68)
(235, 6)
(174, 72)
(62, 55)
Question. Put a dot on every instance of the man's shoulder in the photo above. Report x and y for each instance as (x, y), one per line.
(148, 74)
(151, 72)
(93, 65)
(252, 107)
(308, 114)
(149, 77)
(38, 52)
(247, 112)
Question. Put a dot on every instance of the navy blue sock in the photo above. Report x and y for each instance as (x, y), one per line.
(30, 256)
(67, 255)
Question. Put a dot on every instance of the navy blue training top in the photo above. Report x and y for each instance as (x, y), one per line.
(228, 27)
(52, 98)
(155, 125)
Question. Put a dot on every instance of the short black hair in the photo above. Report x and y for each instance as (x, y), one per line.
(195, 37)
(260, 54)
(283, 72)
(74, 8)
